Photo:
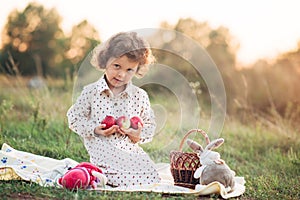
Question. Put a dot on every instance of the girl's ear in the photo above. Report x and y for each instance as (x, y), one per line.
(194, 145)
(141, 71)
(215, 144)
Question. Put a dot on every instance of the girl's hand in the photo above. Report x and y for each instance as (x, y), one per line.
(107, 132)
(133, 134)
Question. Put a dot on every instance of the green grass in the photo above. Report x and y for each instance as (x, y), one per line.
(35, 121)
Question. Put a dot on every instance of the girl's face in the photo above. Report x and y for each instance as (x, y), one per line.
(119, 72)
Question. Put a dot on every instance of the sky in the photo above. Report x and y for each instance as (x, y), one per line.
(263, 28)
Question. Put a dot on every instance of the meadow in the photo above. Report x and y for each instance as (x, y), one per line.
(265, 152)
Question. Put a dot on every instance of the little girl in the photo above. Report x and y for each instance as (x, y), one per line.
(116, 150)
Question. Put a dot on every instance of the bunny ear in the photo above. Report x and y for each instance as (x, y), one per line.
(102, 178)
(194, 145)
(215, 144)
(199, 171)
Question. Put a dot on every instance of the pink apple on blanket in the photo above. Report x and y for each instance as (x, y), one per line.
(82, 176)
(123, 122)
(134, 121)
(109, 121)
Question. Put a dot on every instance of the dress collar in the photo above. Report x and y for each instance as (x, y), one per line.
(102, 86)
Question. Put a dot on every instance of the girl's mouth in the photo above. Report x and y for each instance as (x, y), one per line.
(118, 80)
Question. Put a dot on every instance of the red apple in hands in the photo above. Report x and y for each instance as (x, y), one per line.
(123, 122)
(109, 121)
(134, 121)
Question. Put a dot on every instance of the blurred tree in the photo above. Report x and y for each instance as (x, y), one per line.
(34, 40)
(274, 86)
(284, 78)
(222, 48)
(199, 31)
(253, 93)
(220, 45)
(83, 39)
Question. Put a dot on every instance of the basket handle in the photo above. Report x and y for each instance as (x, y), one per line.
(191, 131)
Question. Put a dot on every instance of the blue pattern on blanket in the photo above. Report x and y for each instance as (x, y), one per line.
(31, 167)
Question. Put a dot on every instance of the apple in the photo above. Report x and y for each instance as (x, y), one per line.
(109, 121)
(134, 122)
(123, 122)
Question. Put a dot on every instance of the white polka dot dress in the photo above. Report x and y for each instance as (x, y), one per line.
(123, 162)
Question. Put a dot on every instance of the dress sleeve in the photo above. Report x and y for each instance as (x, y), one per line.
(79, 115)
(148, 117)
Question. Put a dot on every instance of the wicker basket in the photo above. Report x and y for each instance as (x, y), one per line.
(183, 165)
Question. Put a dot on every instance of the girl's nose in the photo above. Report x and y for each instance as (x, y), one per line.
(121, 74)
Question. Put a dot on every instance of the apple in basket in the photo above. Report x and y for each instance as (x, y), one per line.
(123, 122)
(134, 121)
(109, 121)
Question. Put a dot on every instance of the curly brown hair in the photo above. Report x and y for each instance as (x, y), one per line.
(130, 45)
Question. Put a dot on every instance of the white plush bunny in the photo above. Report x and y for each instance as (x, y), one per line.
(213, 168)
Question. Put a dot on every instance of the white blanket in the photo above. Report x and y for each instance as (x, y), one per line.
(45, 171)
(20, 165)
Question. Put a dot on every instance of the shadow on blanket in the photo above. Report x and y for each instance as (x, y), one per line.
(20, 165)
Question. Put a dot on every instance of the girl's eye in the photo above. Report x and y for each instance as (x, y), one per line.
(130, 70)
(116, 66)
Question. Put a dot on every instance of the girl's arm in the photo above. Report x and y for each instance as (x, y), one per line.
(79, 115)
(148, 118)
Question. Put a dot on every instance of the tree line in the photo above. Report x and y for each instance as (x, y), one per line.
(34, 44)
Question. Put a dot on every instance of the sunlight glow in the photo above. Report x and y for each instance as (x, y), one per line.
(262, 28)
